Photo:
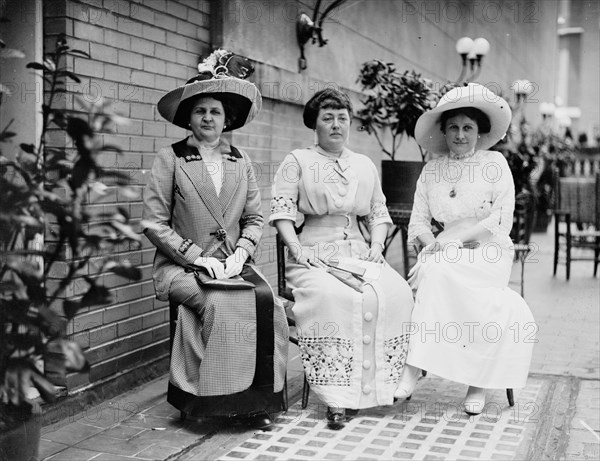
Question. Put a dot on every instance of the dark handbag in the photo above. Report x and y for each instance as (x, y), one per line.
(234, 283)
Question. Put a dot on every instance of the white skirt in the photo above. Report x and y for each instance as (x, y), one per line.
(467, 325)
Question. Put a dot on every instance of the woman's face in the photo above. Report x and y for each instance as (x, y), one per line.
(207, 119)
(461, 134)
(332, 128)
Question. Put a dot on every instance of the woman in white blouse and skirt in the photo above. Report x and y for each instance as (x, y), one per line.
(351, 336)
(467, 325)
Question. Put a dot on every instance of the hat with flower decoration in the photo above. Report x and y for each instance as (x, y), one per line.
(428, 132)
(222, 73)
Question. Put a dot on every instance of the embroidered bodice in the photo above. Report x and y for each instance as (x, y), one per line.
(449, 190)
(309, 181)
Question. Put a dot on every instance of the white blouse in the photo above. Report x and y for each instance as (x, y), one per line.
(311, 181)
(449, 190)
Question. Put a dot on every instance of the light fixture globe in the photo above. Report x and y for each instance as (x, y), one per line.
(464, 45)
(547, 109)
(521, 87)
(481, 46)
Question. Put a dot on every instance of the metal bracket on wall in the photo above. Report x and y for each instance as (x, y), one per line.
(307, 28)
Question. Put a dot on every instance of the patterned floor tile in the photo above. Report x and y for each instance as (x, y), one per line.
(432, 426)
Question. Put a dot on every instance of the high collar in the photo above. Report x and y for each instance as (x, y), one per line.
(223, 146)
(335, 156)
(464, 156)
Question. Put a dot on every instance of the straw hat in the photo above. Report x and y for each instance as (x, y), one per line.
(221, 73)
(428, 131)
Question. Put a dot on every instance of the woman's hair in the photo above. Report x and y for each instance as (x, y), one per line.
(186, 106)
(482, 120)
(325, 99)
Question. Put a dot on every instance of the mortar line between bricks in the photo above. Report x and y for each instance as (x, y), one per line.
(539, 448)
(200, 441)
(540, 435)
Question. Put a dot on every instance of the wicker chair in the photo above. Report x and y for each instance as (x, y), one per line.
(286, 294)
(523, 220)
(577, 220)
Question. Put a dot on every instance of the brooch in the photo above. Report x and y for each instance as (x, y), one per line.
(221, 234)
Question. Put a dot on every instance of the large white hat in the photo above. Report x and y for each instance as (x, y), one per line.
(222, 73)
(428, 131)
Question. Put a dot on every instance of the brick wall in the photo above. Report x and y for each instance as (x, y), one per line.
(139, 50)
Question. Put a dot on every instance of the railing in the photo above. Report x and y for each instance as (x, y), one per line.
(586, 162)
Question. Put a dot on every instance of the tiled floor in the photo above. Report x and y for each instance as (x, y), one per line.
(431, 426)
(555, 416)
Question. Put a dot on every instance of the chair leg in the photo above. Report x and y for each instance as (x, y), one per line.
(568, 257)
(285, 394)
(305, 391)
(511, 397)
(596, 256)
(522, 257)
(556, 240)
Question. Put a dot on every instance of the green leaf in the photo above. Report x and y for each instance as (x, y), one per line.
(124, 269)
(96, 295)
(29, 148)
(80, 52)
(52, 323)
(70, 308)
(69, 74)
(7, 135)
(35, 65)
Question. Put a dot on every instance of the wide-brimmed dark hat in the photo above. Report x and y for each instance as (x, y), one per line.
(428, 131)
(222, 73)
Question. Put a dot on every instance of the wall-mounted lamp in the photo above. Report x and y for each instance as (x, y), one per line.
(547, 110)
(522, 89)
(472, 52)
(307, 28)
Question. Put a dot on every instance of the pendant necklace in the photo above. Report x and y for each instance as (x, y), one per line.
(452, 193)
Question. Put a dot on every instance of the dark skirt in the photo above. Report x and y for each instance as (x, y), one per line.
(230, 349)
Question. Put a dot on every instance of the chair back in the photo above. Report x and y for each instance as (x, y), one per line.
(523, 218)
(581, 197)
(282, 288)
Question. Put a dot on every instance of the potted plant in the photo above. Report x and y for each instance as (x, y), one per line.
(44, 195)
(392, 104)
(554, 156)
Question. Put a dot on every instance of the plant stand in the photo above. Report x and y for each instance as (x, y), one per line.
(399, 182)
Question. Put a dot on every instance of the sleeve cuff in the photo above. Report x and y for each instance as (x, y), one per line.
(381, 220)
(246, 245)
(276, 216)
(192, 253)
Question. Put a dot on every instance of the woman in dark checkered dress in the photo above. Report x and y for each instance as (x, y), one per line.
(202, 210)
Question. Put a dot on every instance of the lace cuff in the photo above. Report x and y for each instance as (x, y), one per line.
(379, 214)
(283, 208)
(498, 223)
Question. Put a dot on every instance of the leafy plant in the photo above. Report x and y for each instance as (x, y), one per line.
(45, 191)
(394, 101)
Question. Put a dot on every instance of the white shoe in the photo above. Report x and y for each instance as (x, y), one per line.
(407, 383)
(474, 401)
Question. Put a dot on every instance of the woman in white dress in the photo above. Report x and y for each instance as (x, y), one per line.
(467, 325)
(350, 330)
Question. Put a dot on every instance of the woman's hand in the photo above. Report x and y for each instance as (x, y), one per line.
(214, 267)
(306, 258)
(375, 253)
(235, 263)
